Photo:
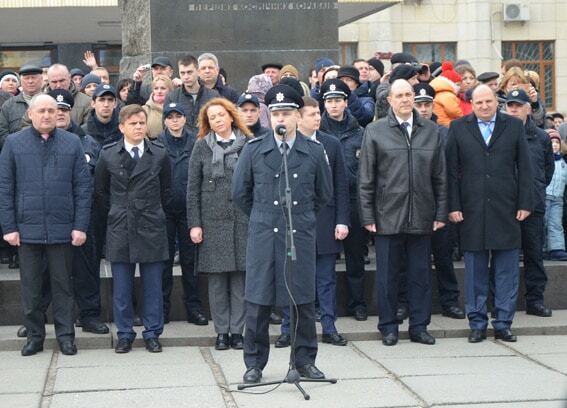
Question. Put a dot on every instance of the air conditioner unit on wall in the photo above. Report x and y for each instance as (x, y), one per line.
(516, 12)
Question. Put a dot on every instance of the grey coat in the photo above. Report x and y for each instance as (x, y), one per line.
(210, 206)
(11, 115)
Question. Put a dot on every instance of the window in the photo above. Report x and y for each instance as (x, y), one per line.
(430, 52)
(348, 52)
(538, 56)
(108, 56)
(14, 58)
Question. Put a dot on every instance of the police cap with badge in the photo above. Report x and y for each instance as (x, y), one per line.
(283, 97)
(248, 98)
(518, 96)
(334, 88)
(423, 92)
(63, 98)
(104, 89)
(172, 107)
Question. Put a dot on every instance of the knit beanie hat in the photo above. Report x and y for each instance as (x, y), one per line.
(377, 64)
(289, 69)
(259, 84)
(90, 79)
(553, 134)
(9, 74)
(449, 73)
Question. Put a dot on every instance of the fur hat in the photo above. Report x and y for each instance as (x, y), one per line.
(449, 72)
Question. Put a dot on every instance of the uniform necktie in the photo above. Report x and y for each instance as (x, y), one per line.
(136, 154)
(286, 147)
(486, 131)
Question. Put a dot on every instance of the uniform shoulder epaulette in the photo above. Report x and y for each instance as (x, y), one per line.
(158, 144)
(108, 145)
(256, 139)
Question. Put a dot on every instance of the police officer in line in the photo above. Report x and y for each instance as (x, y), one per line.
(258, 189)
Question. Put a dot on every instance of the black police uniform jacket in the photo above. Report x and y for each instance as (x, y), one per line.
(135, 197)
(258, 188)
(402, 182)
(337, 209)
(489, 184)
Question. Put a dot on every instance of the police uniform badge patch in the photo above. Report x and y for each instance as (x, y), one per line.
(515, 93)
(280, 97)
(332, 87)
(357, 153)
(59, 98)
(422, 92)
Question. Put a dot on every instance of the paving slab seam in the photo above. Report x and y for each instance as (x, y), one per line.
(47, 393)
(393, 377)
(219, 377)
(527, 357)
(468, 404)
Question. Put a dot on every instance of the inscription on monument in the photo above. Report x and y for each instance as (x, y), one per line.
(264, 6)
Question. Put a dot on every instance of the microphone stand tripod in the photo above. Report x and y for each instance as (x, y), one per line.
(292, 376)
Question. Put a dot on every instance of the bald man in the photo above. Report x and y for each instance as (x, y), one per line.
(403, 199)
(58, 77)
(45, 201)
(490, 194)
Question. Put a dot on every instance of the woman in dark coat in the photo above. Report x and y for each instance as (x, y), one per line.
(216, 225)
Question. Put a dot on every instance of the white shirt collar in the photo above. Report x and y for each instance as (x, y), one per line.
(221, 139)
(410, 120)
(129, 147)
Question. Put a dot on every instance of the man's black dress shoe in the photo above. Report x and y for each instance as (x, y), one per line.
(402, 313)
(123, 346)
(283, 341)
(538, 309)
(360, 315)
(423, 338)
(454, 312)
(335, 339)
(153, 345)
(311, 372)
(505, 335)
(138, 321)
(67, 347)
(275, 318)
(476, 336)
(32, 347)
(223, 342)
(22, 332)
(95, 326)
(236, 341)
(197, 317)
(390, 339)
(252, 375)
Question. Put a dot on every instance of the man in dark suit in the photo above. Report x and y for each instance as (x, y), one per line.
(403, 200)
(133, 183)
(258, 189)
(332, 224)
(490, 194)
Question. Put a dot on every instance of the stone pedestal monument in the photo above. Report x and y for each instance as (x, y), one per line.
(243, 34)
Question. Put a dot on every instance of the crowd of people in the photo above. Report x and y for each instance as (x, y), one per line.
(427, 162)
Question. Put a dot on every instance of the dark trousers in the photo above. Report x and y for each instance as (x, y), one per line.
(505, 264)
(257, 339)
(178, 231)
(354, 245)
(391, 250)
(86, 278)
(532, 247)
(442, 248)
(122, 303)
(33, 261)
(326, 284)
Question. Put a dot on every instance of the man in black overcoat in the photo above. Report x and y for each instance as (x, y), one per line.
(490, 194)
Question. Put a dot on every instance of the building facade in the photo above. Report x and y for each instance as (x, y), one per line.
(484, 32)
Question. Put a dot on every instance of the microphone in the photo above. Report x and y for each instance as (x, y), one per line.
(280, 130)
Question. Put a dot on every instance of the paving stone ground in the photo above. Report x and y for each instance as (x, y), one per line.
(191, 373)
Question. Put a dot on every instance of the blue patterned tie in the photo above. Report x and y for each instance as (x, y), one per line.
(136, 155)
(486, 131)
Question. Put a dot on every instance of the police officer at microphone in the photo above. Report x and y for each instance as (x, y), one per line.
(258, 187)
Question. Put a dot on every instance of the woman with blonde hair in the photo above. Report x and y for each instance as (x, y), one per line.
(161, 86)
(216, 225)
(515, 78)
